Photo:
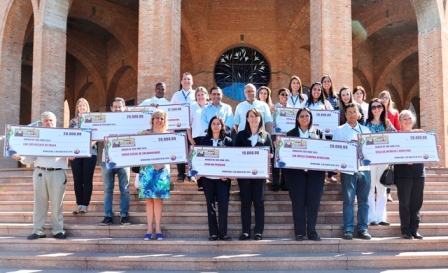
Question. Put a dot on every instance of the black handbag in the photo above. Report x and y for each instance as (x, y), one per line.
(387, 178)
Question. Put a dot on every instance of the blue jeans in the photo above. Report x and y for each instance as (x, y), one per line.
(123, 182)
(357, 184)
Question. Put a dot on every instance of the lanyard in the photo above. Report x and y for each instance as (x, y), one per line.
(295, 101)
(185, 96)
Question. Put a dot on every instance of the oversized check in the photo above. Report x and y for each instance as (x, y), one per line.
(178, 114)
(114, 123)
(401, 147)
(139, 150)
(235, 162)
(325, 120)
(316, 154)
(40, 141)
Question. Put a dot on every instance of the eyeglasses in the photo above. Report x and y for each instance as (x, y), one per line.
(378, 106)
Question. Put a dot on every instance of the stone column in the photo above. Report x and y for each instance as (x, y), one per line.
(433, 70)
(158, 46)
(49, 54)
(331, 41)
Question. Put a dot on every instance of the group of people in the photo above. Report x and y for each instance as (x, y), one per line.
(213, 123)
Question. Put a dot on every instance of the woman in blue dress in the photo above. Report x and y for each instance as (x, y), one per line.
(154, 182)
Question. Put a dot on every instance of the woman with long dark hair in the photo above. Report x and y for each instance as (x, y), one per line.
(317, 100)
(305, 186)
(252, 190)
(297, 99)
(217, 189)
(327, 88)
(345, 98)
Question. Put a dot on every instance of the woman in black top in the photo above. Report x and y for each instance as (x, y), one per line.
(252, 190)
(305, 186)
(410, 181)
(217, 189)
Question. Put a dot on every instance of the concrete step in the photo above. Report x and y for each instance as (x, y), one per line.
(127, 245)
(170, 217)
(200, 206)
(252, 260)
(201, 230)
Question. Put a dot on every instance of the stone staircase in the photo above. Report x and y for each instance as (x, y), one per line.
(93, 247)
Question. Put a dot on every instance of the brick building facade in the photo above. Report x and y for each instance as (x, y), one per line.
(54, 51)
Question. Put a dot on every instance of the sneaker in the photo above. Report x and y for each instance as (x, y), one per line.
(83, 209)
(159, 236)
(258, 237)
(77, 210)
(364, 235)
(107, 221)
(60, 235)
(148, 237)
(244, 237)
(35, 236)
(125, 221)
(347, 236)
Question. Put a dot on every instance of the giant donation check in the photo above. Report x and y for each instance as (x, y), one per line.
(178, 114)
(236, 162)
(39, 141)
(402, 147)
(325, 120)
(114, 123)
(139, 150)
(316, 154)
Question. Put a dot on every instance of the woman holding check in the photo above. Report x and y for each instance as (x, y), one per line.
(154, 182)
(217, 189)
(305, 186)
(252, 190)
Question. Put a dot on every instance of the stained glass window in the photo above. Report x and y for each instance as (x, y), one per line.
(239, 66)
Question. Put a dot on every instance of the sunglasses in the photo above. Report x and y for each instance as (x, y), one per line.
(283, 95)
(379, 106)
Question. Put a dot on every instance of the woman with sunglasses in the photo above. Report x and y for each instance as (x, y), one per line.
(377, 122)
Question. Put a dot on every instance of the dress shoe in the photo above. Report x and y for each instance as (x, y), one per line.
(225, 238)
(258, 237)
(213, 238)
(299, 237)
(313, 236)
(364, 235)
(417, 235)
(407, 236)
(60, 235)
(35, 236)
(244, 237)
(384, 223)
(373, 223)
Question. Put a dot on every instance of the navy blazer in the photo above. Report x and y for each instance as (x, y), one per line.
(295, 132)
(242, 140)
(207, 141)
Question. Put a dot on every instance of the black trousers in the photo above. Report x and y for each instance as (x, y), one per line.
(410, 198)
(216, 190)
(252, 192)
(305, 190)
(82, 169)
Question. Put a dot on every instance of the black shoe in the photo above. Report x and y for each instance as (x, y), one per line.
(407, 236)
(180, 178)
(107, 221)
(364, 235)
(200, 188)
(299, 237)
(313, 236)
(384, 223)
(125, 221)
(417, 235)
(35, 236)
(225, 238)
(373, 223)
(60, 235)
(213, 238)
(347, 236)
(258, 237)
(244, 237)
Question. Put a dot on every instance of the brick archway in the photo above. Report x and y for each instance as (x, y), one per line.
(118, 75)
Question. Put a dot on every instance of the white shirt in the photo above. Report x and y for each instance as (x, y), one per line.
(365, 109)
(295, 101)
(243, 107)
(320, 106)
(154, 101)
(183, 96)
(46, 162)
(347, 133)
(195, 120)
(254, 139)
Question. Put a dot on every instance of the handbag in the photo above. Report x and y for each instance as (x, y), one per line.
(387, 178)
